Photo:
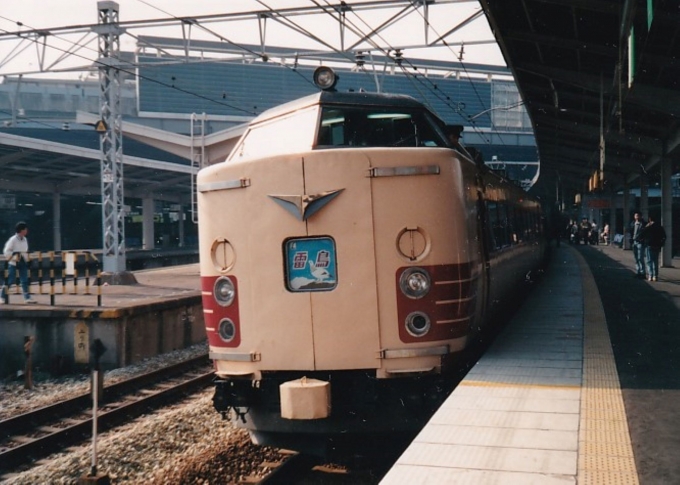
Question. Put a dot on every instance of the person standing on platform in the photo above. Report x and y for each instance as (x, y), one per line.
(638, 244)
(654, 237)
(594, 233)
(16, 253)
(605, 234)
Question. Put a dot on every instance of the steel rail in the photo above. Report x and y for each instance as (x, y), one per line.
(45, 430)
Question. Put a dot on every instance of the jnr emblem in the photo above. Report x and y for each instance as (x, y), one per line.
(304, 206)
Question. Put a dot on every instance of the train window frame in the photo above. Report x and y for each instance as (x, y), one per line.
(494, 224)
(368, 127)
(284, 134)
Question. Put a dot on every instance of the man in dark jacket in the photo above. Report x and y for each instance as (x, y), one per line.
(637, 244)
(654, 237)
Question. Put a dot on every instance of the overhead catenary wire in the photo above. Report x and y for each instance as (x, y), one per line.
(156, 81)
(423, 80)
(224, 39)
(432, 87)
(443, 41)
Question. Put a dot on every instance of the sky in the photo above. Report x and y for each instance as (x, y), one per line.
(18, 56)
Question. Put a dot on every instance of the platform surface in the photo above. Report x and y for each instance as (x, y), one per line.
(153, 285)
(546, 405)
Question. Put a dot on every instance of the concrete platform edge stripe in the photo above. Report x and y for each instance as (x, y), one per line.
(624, 470)
(467, 383)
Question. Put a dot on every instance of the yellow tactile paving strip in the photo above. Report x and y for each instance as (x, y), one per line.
(605, 455)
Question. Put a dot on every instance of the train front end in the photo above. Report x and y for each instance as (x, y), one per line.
(334, 289)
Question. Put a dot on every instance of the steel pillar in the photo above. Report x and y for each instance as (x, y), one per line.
(644, 195)
(667, 211)
(626, 213)
(148, 235)
(197, 154)
(56, 223)
(111, 143)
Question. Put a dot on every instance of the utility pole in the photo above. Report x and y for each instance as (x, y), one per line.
(111, 143)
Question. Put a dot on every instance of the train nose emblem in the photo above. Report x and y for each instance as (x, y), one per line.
(304, 206)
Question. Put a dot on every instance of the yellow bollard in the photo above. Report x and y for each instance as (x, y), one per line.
(87, 273)
(40, 272)
(52, 278)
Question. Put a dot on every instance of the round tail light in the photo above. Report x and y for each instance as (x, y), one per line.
(227, 330)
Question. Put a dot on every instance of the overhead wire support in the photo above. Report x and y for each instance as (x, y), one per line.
(111, 140)
(197, 158)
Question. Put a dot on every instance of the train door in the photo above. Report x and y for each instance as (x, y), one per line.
(344, 319)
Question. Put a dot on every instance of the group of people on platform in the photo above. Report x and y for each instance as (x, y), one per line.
(646, 239)
(584, 232)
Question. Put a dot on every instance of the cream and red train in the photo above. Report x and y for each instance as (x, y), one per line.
(348, 254)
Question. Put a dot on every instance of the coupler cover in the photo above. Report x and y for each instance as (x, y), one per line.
(305, 399)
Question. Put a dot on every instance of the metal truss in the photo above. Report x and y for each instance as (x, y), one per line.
(355, 32)
(110, 128)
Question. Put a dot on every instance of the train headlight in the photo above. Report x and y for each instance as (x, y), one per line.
(325, 78)
(415, 283)
(227, 330)
(224, 291)
(417, 324)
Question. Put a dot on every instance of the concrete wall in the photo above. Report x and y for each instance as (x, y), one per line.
(129, 335)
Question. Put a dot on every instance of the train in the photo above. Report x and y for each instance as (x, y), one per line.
(350, 252)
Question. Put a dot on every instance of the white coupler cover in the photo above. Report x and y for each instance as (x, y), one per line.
(305, 399)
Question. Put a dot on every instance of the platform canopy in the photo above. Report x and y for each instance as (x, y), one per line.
(592, 67)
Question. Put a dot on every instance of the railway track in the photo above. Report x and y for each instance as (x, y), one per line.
(38, 433)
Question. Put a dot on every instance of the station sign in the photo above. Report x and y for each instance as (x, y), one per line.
(599, 203)
(81, 343)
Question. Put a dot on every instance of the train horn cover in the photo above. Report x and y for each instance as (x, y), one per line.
(325, 78)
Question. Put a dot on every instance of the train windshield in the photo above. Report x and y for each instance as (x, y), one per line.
(377, 127)
(286, 134)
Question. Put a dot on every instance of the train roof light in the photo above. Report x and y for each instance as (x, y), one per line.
(325, 78)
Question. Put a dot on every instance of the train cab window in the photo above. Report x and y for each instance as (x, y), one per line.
(377, 127)
(286, 134)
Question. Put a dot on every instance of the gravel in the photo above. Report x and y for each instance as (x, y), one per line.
(187, 443)
(14, 399)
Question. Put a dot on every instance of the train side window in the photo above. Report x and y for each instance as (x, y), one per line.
(504, 229)
(527, 225)
(494, 223)
(520, 225)
(512, 224)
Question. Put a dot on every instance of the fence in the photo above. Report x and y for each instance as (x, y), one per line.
(51, 268)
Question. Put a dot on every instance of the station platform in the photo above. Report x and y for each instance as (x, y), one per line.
(153, 285)
(160, 313)
(582, 386)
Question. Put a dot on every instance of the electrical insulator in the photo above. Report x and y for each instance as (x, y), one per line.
(398, 57)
